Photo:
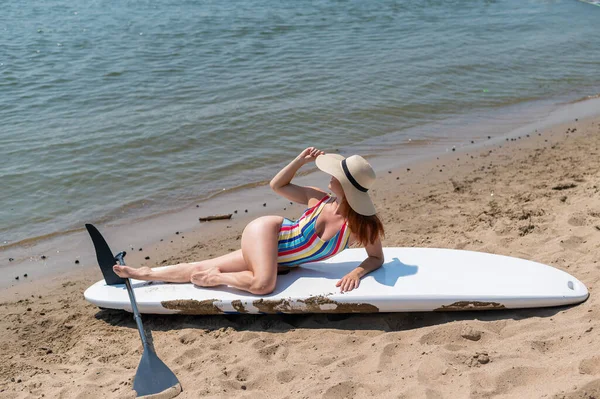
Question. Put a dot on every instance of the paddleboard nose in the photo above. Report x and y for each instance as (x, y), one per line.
(576, 289)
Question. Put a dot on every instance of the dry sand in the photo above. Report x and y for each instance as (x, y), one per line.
(545, 207)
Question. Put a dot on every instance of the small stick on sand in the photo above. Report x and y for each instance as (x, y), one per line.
(215, 217)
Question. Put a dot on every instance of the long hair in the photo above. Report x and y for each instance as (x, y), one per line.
(367, 228)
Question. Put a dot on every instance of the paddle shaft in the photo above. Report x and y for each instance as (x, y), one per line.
(136, 313)
(152, 376)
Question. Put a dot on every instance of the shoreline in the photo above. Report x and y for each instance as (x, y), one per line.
(69, 252)
(57, 344)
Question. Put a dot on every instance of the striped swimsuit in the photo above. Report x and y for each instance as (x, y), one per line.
(299, 242)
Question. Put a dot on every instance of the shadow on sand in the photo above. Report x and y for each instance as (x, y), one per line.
(279, 323)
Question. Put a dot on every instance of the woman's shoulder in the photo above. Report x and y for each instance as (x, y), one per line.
(318, 198)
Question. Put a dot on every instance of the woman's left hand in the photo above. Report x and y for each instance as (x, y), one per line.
(349, 282)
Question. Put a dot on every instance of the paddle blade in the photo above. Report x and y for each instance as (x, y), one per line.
(106, 260)
(154, 377)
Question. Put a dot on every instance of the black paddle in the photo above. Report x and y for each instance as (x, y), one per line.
(152, 376)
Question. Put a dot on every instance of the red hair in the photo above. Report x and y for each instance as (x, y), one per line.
(367, 228)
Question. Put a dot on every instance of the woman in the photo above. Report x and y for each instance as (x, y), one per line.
(326, 228)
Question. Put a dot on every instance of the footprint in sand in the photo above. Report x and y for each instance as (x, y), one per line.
(195, 353)
(350, 361)
(590, 366)
(578, 219)
(188, 339)
(433, 394)
(442, 335)
(102, 376)
(589, 390)
(482, 384)
(507, 380)
(454, 347)
(345, 389)
(431, 369)
(326, 361)
(389, 355)
(93, 391)
(285, 376)
(572, 242)
(270, 351)
(549, 345)
(261, 343)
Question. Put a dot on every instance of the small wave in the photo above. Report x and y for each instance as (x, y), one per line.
(169, 70)
(114, 74)
(127, 210)
(586, 98)
(31, 241)
(277, 29)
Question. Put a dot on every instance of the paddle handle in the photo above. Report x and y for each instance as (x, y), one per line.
(136, 314)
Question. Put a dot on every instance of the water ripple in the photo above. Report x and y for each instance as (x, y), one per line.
(106, 106)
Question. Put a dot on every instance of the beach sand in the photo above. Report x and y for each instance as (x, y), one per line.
(536, 197)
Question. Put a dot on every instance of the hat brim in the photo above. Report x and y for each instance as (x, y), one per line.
(358, 200)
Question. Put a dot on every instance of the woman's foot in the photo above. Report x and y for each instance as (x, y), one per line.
(126, 271)
(206, 278)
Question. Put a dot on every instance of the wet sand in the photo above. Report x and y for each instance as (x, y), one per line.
(535, 197)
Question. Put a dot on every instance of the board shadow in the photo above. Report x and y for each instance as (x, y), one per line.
(281, 323)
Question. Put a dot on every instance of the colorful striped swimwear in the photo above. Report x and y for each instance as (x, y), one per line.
(299, 242)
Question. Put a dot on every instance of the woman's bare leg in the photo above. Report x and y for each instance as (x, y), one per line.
(259, 250)
(182, 273)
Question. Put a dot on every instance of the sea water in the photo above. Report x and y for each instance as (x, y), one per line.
(123, 109)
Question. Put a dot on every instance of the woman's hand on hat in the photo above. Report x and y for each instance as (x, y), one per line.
(309, 155)
(349, 282)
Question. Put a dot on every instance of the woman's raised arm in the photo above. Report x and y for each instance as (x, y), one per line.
(282, 185)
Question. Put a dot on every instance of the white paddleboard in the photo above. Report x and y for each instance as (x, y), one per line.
(412, 279)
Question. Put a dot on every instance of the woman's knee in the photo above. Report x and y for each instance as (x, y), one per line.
(262, 286)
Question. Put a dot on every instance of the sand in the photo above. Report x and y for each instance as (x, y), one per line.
(535, 197)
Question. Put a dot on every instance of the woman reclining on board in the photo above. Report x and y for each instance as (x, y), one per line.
(327, 227)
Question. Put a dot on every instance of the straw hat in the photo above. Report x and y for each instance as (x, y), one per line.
(356, 176)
